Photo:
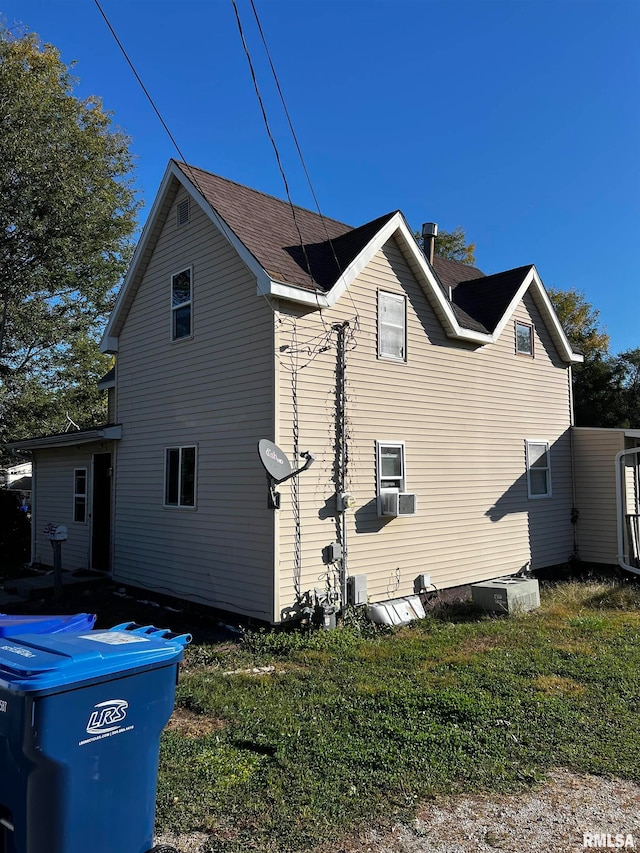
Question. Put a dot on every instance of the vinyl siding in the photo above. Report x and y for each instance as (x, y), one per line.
(53, 503)
(214, 390)
(594, 457)
(464, 413)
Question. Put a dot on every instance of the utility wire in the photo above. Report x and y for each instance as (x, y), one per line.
(298, 148)
(270, 135)
(293, 133)
(142, 86)
(192, 175)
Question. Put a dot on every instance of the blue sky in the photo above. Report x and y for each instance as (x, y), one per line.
(517, 119)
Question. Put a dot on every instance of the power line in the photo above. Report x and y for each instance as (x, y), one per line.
(142, 86)
(270, 135)
(298, 148)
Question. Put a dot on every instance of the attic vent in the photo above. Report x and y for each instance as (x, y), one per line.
(183, 212)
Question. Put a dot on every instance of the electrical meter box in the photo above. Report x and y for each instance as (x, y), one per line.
(357, 589)
(506, 595)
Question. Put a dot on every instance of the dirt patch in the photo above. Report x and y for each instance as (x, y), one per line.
(192, 725)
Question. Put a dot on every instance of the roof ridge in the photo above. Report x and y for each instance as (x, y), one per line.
(186, 167)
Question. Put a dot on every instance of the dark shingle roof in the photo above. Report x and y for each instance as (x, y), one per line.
(266, 226)
(487, 298)
(451, 273)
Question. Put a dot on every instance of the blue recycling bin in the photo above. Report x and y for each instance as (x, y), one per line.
(80, 721)
(10, 626)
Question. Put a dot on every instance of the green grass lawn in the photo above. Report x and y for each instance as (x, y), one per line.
(353, 726)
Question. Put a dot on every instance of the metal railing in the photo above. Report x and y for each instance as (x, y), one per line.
(633, 536)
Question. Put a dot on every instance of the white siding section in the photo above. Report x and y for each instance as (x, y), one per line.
(594, 452)
(214, 390)
(53, 503)
(464, 414)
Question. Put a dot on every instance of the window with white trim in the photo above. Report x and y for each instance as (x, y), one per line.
(392, 326)
(181, 301)
(524, 338)
(390, 466)
(80, 495)
(180, 476)
(538, 469)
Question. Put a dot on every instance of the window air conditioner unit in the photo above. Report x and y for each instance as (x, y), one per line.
(393, 504)
(407, 504)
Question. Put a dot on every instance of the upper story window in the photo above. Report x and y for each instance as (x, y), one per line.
(392, 326)
(180, 477)
(538, 469)
(524, 338)
(391, 469)
(181, 301)
(183, 212)
(80, 495)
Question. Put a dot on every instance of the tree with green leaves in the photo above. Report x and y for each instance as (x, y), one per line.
(67, 222)
(606, 388)
(452, 245)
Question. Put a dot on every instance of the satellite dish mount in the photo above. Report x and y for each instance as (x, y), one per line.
(278, 468)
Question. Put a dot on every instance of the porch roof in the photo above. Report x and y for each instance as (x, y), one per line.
(109, 432)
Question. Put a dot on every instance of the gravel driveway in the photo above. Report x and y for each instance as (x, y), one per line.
(567, 814)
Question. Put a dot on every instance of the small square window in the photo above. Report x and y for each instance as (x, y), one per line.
(524, 338)
(80, 495)
(180, 477)
(181, 301)
(392, 326)
(538, 469)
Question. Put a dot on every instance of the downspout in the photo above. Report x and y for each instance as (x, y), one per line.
(620, 505)
(575, 513)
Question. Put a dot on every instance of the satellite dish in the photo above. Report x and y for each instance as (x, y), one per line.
(274, 460)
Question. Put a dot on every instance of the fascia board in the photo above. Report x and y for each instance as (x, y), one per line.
(69, 439)
(463, 334)
(295, 294)
(552, 318)
(513, 304)
(532, 279)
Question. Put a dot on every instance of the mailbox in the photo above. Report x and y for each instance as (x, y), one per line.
(56, 532)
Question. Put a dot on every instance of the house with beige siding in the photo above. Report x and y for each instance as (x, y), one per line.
(435, 399)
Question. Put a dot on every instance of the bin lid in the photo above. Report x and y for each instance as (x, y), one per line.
(44, 663)
(25, 623)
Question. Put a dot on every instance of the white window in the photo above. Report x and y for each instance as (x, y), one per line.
(80, 495)
(180, 476)
(392, 326)
(390, 466)
(524, 338)
(538, 469)
(181, 300)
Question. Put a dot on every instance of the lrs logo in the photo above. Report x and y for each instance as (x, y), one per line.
(107, 716)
